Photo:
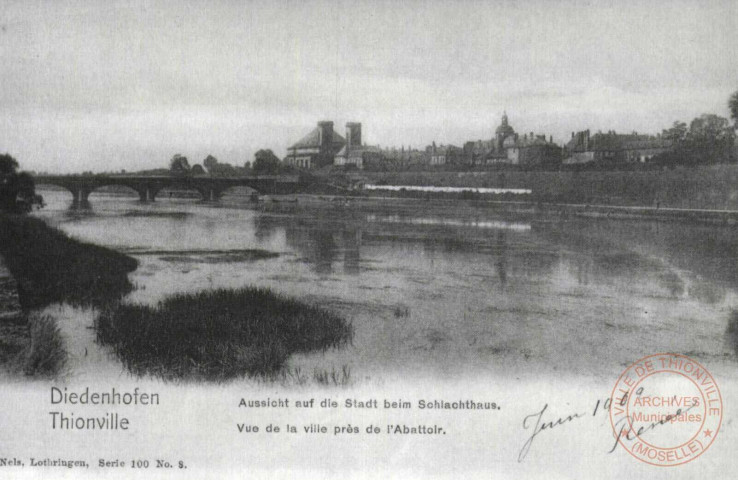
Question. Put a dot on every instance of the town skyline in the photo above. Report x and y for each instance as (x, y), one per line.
(128, 85)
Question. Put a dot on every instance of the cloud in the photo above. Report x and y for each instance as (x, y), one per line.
(133, 82)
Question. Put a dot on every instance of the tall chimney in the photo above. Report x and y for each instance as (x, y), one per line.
(353, 135)
(326, 136)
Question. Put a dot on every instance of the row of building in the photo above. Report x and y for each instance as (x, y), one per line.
(324, 146)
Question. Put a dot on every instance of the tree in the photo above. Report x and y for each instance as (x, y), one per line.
(711, 137)
(223, 170)
(8, 164)
(210, 162)
(17, 189)
(179, 165)
(266, 163)
(676, 133)
(733, 106)
(197, 169)
(709, 127)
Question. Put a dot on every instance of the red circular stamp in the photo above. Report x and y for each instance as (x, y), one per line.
(666, 409)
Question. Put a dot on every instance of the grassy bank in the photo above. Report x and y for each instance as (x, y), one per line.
(50, 267)
(32, 346)
(710, 187)
(218, 334)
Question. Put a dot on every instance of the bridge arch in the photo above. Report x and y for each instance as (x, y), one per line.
(247, 191)
(56, 187)
(141, 192)
(82, 189)
(80, 193)
(204, 192)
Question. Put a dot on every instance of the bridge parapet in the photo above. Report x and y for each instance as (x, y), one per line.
(147, 187)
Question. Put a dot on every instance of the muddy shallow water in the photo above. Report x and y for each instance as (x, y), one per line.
(433, 290)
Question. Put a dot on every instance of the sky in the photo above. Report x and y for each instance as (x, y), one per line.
(111, 85)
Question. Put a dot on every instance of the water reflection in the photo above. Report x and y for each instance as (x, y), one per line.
(84, 204)
(731, 332)
(519, 289)
(351, 251)
(707, 293)
(449, 222)
(502, 259)
(265, 227)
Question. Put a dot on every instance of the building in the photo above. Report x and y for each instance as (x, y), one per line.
(318, 148)
(441, 155)
(476, 152)
(642, 148)
(532, 150)
(354, 152)
(498, 153)
(507, 147)
(502, 133)
(614, 148)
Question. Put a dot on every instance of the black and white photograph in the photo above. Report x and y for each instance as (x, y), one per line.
(368, 239)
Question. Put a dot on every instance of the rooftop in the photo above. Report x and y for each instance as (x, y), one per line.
(312, 139)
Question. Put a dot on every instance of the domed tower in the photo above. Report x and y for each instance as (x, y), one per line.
(502, 132)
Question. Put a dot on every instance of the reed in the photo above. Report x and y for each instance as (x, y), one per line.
(45, 355)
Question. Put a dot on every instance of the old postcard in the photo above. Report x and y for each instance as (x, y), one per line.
(368, 239)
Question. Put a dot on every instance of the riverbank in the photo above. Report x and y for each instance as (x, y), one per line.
(512, 206)
(40, 266)
(9, 303)
(49, 267)
(14, 335)
(29, 344)
(702, 188)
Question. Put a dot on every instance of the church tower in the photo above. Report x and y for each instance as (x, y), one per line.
(502, 132)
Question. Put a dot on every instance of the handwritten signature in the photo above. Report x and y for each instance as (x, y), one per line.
(539, 424)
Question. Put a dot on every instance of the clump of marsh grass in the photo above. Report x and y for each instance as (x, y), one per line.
(45, 355)
(14, 339)
(402, 311)
(337, 378)
(218, 334)
(292, 376)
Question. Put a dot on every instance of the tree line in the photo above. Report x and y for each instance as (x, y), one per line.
(707, 139)
(265, 163)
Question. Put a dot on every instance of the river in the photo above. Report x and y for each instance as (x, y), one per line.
(435, 290)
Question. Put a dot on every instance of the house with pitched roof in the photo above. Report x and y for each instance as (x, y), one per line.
(443, 154)
(316, 149)
(612, 147)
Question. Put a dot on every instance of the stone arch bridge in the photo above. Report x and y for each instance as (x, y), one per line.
(210, 188)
